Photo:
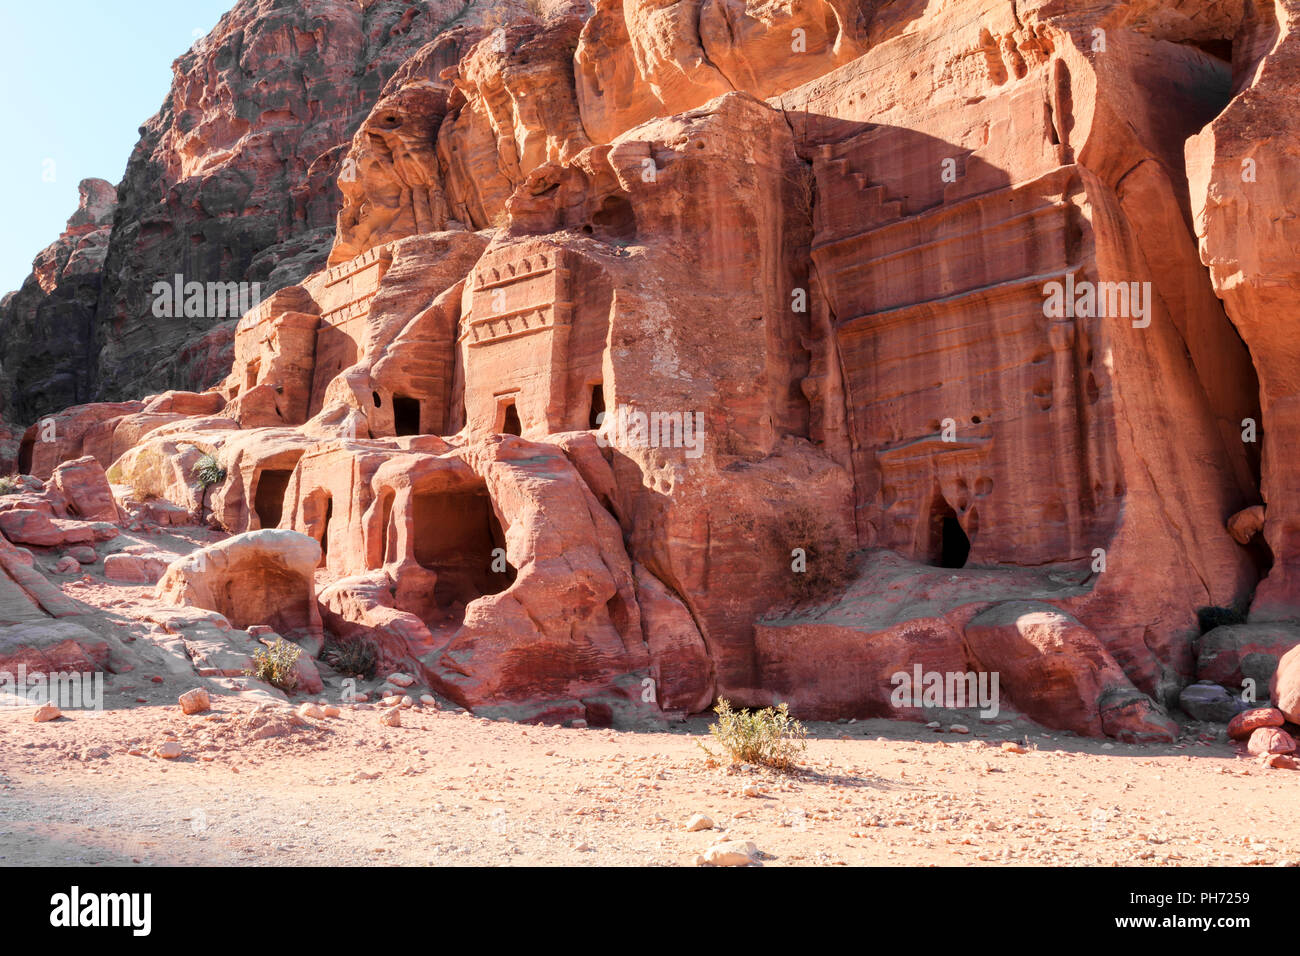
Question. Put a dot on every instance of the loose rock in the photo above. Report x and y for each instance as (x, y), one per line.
(195, 701)
(731, 853)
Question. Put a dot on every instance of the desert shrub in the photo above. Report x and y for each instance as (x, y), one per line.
(275, 664)
(828, 558)
(208, 471)
(1211, 617)
(10, 485)
(352, 658)
(767, 737)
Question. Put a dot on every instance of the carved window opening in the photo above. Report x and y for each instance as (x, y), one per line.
(268, 500)
(949, 545)
(406, 415)
(510, 423)
(595, 415)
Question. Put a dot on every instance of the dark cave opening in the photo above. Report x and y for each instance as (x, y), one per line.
(949, 545)
(594, 416)
(406, 415)
(510, 424)
(268, 501)
(955, 546)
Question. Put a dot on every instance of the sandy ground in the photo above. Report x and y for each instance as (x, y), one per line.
(254, 788)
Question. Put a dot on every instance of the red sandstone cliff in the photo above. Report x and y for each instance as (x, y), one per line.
(973, 302)
(232, 181)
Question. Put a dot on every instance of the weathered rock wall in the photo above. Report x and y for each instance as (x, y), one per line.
(738, 350)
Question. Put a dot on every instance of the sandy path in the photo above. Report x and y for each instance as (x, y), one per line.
(455, 789)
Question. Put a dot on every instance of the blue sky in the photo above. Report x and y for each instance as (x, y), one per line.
(77, 80)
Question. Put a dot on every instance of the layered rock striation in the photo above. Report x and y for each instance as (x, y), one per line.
(681, 350)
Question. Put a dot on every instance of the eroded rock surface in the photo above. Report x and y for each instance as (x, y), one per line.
(656, 352)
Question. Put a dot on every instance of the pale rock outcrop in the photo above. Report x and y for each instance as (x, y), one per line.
(261, 577)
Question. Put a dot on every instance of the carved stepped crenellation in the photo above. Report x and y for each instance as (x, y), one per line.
(350, 287)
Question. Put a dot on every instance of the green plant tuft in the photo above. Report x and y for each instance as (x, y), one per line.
(208, 471)
(275, 664)
(11, 485)
(767, 737)
(352, 658)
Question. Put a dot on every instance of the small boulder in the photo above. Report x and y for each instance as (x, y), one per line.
(391, 717)
(46, 712)
(401, 680)
(1209, 702)
(731, 853)
(1248, 721)
(1279, 762)
(195, 701)
(84, 554)
(699, 822)
(169, 750)
(85, 487)
(1270, 740)
(134, 569)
